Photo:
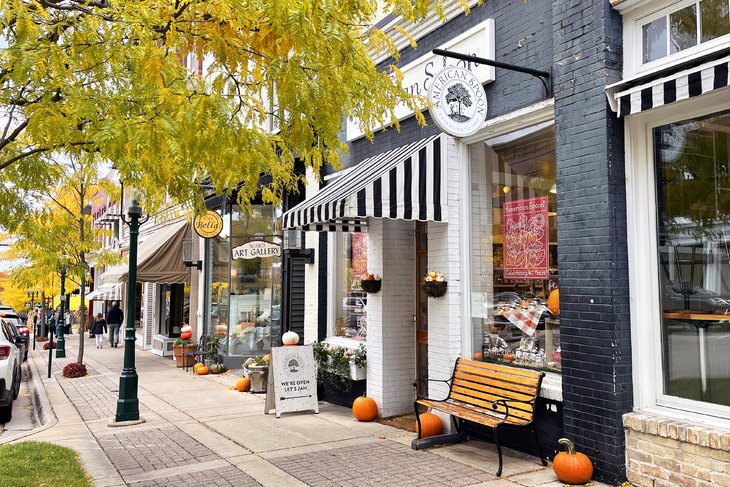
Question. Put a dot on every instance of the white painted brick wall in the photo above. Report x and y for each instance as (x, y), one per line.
(391, 330)
(444, 313)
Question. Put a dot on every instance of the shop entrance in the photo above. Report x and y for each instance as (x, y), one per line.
(421, 309)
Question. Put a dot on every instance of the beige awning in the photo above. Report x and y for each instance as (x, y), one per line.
(159, 258)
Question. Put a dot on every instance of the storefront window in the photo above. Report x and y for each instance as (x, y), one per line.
(693, 218)
(351, 301)
(514, 250)
(255, 281)
(220, 251)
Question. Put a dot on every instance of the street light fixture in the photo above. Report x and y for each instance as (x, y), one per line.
(128, 403)
(60, 322)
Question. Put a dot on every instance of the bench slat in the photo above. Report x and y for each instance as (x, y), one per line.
(516, 407)
(504, 376)
(486, 404)
(506, 369)
(487, 417)
(522, 393)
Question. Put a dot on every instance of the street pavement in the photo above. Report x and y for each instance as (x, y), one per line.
(199, 432)
(24, 420)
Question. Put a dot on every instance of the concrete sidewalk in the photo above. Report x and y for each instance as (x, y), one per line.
(198, 432)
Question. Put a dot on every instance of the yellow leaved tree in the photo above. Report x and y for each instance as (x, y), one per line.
(175, 91)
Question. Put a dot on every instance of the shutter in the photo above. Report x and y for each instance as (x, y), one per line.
(149, 313)
(293, 292)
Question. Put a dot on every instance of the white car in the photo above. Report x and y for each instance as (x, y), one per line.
(10, 372)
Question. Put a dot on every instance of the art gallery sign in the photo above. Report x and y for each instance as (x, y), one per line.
(419, 75)
(256, 249)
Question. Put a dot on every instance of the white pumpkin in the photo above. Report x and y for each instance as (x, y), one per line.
(290, 338)
(186, 328)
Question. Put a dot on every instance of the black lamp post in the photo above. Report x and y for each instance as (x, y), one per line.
(128, 403)
(61, 342)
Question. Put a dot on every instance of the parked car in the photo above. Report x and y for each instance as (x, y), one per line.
(22, 329)
(10, 372)
(7, 309)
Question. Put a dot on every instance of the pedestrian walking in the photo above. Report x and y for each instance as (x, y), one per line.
(69, 320)
(114, 318)
(98, 328)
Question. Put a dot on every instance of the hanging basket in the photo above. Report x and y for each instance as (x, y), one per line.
(435, 289)
(371, 286)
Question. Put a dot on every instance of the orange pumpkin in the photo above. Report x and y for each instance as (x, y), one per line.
(431, 425)
(202, 370)
(365, 409)
(572, 467)
(554, 302)
(186, 335)
(243, 384)
(197, 366)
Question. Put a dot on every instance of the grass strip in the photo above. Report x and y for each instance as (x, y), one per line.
(35, 464)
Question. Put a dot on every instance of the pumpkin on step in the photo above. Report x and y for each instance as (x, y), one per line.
(202, 370)
(197, 366)
(243, 384)
(365, 409)
(572, 467)
(431, 425)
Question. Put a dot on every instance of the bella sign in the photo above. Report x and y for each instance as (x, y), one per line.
(256, 249)
(208, 224)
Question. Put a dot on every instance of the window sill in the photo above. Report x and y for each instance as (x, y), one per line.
(552, 387)
(345, 342)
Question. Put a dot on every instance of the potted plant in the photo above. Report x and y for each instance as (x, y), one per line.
(179, 351)
(258, 371)
(212, 353)
(370, 283)
(358, 359)
(434, 284)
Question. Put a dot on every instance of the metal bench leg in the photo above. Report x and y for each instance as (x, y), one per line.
(539, 449)
(418, 421)
(499, 450)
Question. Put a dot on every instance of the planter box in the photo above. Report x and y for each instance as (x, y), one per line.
(184, 360)
(358, 373)
(259, 378)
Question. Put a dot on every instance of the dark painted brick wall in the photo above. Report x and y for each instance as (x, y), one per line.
(594, 289)
(514, 21)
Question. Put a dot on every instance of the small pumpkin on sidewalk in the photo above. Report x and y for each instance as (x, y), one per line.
(243, 384)
(431, 425)
(572, 467)
(202, 370)
(365, 408)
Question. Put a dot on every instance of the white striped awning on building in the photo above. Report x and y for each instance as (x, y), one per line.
(644, 93)
(407, 183)
(106, 292)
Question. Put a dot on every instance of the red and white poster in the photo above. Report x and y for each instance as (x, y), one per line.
(525, 224)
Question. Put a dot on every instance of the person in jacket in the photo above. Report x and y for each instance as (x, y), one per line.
(114, 319)
(98, 328)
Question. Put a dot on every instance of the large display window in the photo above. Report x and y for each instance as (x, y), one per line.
(514, 298)
(350, 266)
(692, 164)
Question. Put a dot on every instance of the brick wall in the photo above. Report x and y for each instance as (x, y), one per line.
(311, 273)
(592, 253)
(661, 452)
(391, 331)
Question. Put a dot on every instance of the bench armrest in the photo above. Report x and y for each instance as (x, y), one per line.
(426, 381)
(506, 403)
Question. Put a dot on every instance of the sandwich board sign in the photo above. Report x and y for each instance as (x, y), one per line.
(292, 382)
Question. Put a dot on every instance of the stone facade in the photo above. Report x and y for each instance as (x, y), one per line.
(662, 452)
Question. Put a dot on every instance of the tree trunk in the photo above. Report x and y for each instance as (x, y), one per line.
(82, 284)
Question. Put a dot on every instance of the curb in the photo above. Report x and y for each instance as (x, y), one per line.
(42, 409)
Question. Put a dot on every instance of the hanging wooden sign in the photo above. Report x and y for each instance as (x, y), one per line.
(292, 383)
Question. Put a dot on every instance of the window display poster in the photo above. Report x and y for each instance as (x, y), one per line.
(525, 224)
(292, 381)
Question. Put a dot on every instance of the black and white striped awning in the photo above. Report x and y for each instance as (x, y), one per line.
(407, 183)
(634, 96)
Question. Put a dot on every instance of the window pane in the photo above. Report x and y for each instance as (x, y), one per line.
(655, 40)
(684, 28)
(352, 265)
(693, 191)
(715, 19)
(514, 250)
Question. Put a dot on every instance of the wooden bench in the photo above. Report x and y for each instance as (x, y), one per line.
(492, 395)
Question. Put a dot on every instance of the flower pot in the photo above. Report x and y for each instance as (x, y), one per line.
(358, 372)
(371, 286)
(259, 377)
(434, 289)
(183, 360)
